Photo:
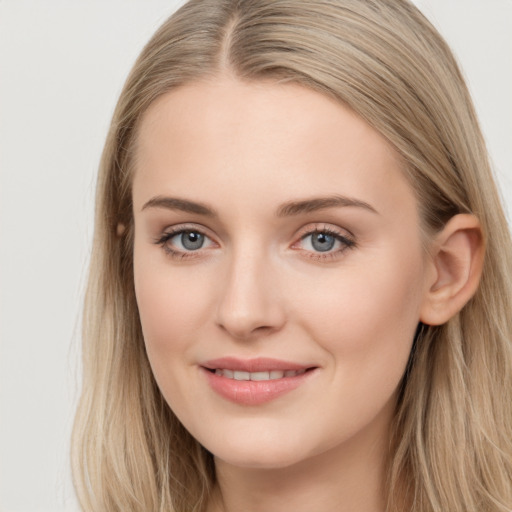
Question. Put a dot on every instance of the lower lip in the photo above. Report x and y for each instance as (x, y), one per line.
(249, 392)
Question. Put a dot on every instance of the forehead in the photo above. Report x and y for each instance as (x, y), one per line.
(262, 138)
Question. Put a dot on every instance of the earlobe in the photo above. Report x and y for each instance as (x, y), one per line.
(121, 228)
(457, 259)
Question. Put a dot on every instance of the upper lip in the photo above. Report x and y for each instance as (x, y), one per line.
(260, 364)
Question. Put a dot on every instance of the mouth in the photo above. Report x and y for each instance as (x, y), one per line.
(255, 381)
(258, 376)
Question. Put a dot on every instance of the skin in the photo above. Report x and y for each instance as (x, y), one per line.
(258, 286)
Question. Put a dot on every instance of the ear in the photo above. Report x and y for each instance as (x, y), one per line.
(457, 261)
(121, 228)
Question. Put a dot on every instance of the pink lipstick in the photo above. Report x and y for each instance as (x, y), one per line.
(254, 381)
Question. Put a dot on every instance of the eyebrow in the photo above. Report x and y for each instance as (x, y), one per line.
(184, 205)
(287, 209)
(319, 203)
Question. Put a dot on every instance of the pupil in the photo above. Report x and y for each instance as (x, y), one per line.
(323, 242)
(192, 240)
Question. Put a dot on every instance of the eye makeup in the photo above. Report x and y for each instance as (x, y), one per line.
(320, 242)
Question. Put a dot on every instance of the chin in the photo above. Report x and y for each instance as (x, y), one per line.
(259, 453)
(271, 459)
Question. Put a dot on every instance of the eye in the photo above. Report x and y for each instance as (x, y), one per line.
(184, 243)
(189, 240)
(323, 242)
(320, 241)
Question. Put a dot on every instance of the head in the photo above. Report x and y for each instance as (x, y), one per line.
(386, 65)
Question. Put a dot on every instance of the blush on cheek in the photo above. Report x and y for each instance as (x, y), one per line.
(172, 302)
(163, 315)
(374, 311)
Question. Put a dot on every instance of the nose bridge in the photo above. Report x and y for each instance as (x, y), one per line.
(250, 302)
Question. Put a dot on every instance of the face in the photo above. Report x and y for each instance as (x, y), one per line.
(279, 270)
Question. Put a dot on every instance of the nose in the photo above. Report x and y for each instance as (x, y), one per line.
(251, 302)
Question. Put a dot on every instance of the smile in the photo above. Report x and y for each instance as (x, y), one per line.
(255, 381)
(258, 376)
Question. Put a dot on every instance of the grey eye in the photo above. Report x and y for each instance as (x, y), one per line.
(191, 240)
(322, 242)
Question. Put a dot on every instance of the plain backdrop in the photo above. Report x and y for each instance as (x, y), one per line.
(62, 66)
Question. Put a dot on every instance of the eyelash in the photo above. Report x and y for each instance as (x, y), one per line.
(168, 235)
(347, 242)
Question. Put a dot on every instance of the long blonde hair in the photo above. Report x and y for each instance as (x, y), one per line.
(452, 437)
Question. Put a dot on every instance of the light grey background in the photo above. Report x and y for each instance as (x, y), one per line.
(62, 66)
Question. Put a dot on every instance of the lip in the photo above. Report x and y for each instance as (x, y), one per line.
(260, 364)
(247, 392)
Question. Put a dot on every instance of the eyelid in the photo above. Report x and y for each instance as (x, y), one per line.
(172, 231)
(316, 227)
(186, 226)
(344, 236)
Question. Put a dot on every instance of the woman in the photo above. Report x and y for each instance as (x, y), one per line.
(300, 286)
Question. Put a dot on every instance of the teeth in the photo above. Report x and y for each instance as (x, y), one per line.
(258, 376)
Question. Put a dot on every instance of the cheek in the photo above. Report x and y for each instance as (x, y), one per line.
(365, 325)
(366, 318)
(172, 305)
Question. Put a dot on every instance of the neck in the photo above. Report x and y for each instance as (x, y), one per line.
(347, 478)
